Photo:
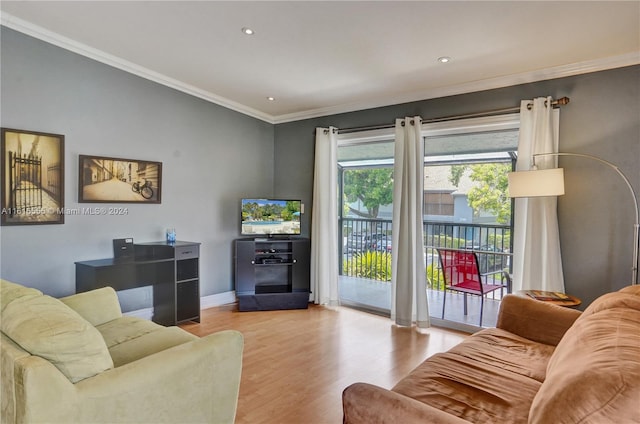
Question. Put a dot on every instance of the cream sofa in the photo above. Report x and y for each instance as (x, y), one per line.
(79, 360)
(542, 364)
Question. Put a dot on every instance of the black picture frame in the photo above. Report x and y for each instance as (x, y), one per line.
(103, 179)
(32, 177)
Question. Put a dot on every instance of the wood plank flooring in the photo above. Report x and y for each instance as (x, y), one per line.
(296, 363)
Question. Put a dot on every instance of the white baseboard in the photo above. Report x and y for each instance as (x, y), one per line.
(146, 313)
(218, 299)
(205, 302)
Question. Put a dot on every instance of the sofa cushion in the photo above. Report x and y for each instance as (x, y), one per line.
(634, 289)
(125, 328)
(46, 327)
(627, 299)
(130, 338)
(492, 376)
(595, 368)
(11, 291)
(96, 306)
(148, 344)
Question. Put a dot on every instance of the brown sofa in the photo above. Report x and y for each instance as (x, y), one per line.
(542, 364)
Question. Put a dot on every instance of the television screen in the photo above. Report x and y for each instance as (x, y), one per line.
(270, 217)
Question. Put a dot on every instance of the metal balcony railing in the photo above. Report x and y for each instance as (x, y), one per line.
(367, 247)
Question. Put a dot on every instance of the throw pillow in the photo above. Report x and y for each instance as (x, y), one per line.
(46, 327)
(11, 291)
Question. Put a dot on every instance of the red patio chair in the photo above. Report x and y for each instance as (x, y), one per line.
(462, 274)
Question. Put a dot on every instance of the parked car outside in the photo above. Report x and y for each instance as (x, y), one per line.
(371, 240)
(358, 242)
(382, 245)
(355, 243)
(491, 262)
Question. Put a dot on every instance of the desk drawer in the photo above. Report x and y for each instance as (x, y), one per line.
(187, 252)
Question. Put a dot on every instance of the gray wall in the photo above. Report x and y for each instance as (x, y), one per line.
(211, 158)
(596, 214)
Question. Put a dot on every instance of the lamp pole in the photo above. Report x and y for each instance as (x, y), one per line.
(636, 225)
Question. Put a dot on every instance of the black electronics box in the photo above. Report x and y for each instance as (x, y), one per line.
(123, 249)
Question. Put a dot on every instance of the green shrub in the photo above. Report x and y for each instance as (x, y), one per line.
(443, 240)
(372, 264)
(435, 278)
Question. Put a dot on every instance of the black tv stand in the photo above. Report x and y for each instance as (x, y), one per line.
(272, 273)
(272, 237)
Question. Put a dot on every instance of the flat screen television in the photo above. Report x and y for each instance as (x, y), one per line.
(270, 217)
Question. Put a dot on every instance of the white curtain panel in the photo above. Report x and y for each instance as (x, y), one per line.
(324, 225)
(537, 262)
(409, 288)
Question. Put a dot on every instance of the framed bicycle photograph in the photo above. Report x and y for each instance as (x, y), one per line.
(32, 177)
(116, 180)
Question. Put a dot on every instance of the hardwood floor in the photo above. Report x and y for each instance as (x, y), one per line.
(297, 363)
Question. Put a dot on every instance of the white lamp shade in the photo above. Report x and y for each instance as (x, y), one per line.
(543, 182)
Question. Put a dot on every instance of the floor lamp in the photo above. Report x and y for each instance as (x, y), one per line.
(550, 182)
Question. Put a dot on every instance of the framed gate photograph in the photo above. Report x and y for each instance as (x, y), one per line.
(32, 177)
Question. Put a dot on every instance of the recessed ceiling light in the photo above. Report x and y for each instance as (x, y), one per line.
(247, 31)
(271, 98)
(444, 59)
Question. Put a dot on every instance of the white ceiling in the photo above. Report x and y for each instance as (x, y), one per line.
(320, 58)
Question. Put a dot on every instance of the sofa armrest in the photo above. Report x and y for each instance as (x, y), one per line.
(196, 381)
(364, 403)
(96, 306)
(40, 391)
(532, 319)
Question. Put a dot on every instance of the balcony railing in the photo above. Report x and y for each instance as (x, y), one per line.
(367, 247)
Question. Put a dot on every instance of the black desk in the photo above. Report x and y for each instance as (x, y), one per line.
(171, 269)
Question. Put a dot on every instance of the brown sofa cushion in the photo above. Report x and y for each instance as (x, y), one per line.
(594, 374)
(492, 377)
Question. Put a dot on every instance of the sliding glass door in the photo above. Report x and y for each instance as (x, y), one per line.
(465, 207)
(366, 192)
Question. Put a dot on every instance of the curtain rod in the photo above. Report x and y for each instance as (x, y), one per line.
(555, 103)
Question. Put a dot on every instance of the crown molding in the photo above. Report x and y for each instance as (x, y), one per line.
(58, 40)
(470, 87)
(40, 33)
